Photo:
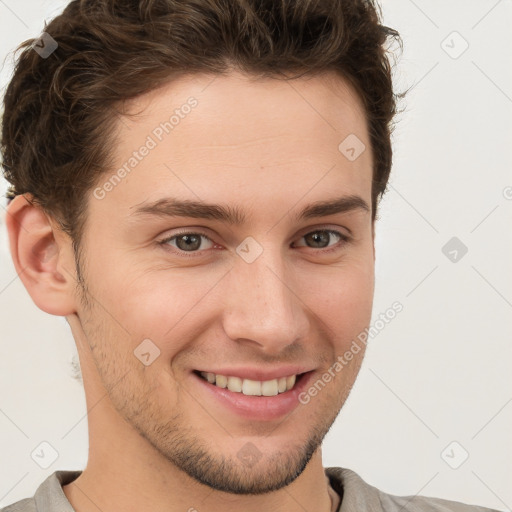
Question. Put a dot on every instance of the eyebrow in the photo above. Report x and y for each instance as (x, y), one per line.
(172, 207)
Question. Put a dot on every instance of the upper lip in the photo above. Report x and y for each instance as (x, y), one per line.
(253, 373)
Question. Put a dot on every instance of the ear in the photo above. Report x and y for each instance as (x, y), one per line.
(43, 257)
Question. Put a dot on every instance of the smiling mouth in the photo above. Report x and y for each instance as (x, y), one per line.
(250, 387)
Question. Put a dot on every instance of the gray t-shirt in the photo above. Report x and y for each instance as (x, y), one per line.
(356, 496)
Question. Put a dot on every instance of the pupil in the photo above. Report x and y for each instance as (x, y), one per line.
(320, 236)
(191, 241)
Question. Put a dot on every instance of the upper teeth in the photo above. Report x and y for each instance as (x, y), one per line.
(251, 387)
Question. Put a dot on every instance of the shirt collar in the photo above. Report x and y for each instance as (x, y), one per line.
(50, 495)
(354, 493)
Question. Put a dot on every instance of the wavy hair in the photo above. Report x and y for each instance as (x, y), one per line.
(60, 111)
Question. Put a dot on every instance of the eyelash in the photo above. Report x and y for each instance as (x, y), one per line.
(343, 240)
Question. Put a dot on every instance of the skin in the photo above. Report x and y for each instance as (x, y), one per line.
(156, 440)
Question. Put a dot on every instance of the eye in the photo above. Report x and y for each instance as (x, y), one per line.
(187, 242)
(321, 238)
(191, 242)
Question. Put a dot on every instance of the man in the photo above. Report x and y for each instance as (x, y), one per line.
(195, 189)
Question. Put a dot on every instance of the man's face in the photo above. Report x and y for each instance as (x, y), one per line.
(266, 297)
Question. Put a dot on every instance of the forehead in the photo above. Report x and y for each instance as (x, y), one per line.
(322, 99)
(243, 134)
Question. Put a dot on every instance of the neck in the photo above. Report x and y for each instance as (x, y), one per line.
(118, 480)
(126, 473)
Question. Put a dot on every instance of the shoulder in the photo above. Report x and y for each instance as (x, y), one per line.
(49, 496)
(359, 495)
(25, 505)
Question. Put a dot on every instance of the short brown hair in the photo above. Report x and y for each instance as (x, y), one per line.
(59, 111)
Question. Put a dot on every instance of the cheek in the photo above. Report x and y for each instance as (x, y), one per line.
(158, 304)
(343, 297)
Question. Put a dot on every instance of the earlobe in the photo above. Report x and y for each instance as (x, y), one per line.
(41, 257)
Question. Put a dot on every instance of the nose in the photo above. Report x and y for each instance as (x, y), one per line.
(263, 306)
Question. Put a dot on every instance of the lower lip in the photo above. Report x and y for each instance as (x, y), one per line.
(262, 408)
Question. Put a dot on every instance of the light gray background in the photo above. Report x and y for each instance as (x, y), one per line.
(440, 371)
